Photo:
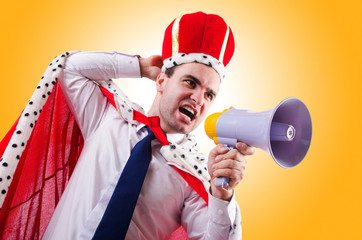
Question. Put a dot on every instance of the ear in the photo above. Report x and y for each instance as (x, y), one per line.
(161, 82)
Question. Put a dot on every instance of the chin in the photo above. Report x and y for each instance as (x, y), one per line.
(188, 129)
(184, 129)
(180, 126)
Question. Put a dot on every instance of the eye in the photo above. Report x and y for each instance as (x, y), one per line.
(210, 96)
(191, 83)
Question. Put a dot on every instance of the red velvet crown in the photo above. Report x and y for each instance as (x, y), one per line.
(201, 33)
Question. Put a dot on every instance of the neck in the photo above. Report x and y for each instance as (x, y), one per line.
(154, 108)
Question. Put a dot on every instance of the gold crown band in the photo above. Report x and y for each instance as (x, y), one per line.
(224, 44)
(175, 31)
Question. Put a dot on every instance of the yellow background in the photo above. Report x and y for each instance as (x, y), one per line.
(307, 49)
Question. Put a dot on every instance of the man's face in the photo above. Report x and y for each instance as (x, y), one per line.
(186, 96)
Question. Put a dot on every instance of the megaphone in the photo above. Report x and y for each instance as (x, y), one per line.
(285, 132)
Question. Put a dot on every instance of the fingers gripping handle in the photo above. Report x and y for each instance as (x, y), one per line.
(223, 182)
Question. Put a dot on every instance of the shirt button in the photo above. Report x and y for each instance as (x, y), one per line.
(220, 212)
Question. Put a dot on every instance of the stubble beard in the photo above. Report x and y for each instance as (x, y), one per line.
(170, 124)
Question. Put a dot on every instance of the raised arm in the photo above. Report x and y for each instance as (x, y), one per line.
(79, 84)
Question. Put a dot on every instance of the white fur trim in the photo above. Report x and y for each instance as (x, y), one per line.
(182, 58)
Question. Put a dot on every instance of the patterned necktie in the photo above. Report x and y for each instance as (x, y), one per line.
(118, 214)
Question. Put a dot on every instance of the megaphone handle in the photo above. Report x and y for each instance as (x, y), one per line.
(223, 182)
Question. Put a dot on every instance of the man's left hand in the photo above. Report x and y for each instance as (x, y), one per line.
(227, 163)
(151, 66)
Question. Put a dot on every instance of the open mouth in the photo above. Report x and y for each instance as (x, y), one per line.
(187, 112)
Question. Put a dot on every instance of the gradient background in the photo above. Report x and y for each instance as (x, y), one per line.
(306, 49)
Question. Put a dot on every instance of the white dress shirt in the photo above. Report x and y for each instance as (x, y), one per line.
(165, 200)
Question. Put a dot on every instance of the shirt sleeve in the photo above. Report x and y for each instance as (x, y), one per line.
(81, 72)
(218, 220)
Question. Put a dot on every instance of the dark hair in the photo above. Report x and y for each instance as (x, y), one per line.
(169, 71)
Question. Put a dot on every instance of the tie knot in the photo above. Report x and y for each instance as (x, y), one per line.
(150, 133)
(153, 125)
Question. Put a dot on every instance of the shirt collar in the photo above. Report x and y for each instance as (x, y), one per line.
(176, 138)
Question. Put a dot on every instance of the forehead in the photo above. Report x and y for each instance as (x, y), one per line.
(207, 76)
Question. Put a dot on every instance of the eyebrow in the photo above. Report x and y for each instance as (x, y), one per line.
(198, 82)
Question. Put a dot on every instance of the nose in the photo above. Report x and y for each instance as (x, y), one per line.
(198, 97)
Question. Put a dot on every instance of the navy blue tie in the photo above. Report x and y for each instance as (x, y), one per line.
(117, 217)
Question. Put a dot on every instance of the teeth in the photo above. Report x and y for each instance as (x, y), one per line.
(187, 112)
(186, 116)
(189, 109)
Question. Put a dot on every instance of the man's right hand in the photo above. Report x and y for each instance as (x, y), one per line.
(151, 66)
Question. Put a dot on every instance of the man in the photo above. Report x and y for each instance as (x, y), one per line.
(186, 87)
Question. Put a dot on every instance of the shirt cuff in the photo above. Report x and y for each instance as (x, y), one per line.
(128, 66)
(222, 212)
